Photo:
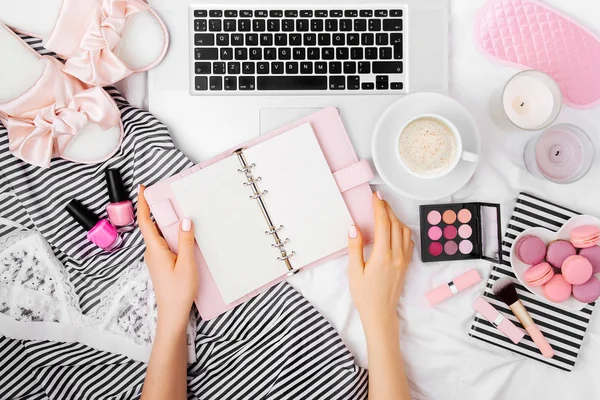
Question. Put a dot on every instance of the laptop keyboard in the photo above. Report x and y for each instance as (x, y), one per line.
(265, 51)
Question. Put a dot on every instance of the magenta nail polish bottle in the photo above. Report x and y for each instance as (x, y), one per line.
(120, 209)
(99, 231)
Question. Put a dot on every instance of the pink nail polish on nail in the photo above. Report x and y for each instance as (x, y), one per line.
(352, 232)
(120, 210)
(99, 231)
(186, 225)
(379, 195)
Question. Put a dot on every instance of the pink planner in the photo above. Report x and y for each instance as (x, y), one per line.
(340, 167)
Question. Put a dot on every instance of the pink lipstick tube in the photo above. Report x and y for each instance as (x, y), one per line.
(99, 231)
(444, 292)
(498, 320)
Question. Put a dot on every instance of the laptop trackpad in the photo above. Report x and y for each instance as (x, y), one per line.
(274, 118)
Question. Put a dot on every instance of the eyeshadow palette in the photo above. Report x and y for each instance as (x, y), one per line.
(462, 231)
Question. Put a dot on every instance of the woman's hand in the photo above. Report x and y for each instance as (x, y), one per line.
(174, 276)
(376, 285)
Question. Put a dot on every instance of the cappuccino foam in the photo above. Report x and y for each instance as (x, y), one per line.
(427, 146)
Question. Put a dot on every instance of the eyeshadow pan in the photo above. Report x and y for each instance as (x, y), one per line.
(464, 216)
(450, 247)
(449, 217)
(465, 231)
(435, 249)
(434, 217)
(450, 232)
(435, 233)
(466, 246)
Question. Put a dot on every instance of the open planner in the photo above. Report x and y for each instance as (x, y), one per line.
(268, 208)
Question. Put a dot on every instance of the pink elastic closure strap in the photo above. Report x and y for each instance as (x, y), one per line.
(353, 176)
(167, 213)
(498, 320)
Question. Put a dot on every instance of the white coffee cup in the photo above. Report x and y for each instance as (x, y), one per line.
(460, 153)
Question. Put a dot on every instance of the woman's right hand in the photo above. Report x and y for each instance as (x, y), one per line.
(376, 285)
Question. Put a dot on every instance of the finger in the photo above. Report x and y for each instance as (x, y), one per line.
(185, 251)
(147, 227)
(396, 231)
(356, 260)
(382, 226)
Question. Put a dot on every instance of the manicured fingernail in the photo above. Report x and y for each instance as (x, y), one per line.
(186, 225)
(379, 195)
(352, 232)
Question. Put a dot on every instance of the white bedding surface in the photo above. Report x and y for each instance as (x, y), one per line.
(443, 362)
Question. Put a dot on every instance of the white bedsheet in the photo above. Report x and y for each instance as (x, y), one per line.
(443, 362)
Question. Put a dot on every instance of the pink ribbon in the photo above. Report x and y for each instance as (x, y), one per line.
(94, 62)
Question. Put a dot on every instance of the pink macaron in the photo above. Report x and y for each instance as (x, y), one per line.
(557, 289)
(588, 292)
(530, 249)
(576, 270)
(558, 251)
(593, 256)
(585, 236)
(539, 274)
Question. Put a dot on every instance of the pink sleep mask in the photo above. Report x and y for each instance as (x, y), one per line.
(530, 34)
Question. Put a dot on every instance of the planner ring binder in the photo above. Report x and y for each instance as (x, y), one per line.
(258, 194)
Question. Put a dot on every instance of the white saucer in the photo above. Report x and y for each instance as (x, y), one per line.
(384, 145)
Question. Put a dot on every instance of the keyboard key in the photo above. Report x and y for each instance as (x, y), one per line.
(396, 86)
(381, 13)
(215, 13)
(321, 67)
(364, 67)
(371, 53)
(367, 39)
(270, 53)
(331, 25)
(285, 53)
(291, 68)
(374, 25)
(247, 83)
(382, 82)
(259, 25)
(335, 67)
(230, 83)
(273, 25)
(366, 13)
(353, 82)
(292, 82)
(306, 68)
(231, 13)
(339, 39)
(349, 67)
(204, 39)
(200, 25)
(226, 53)
(336, 13)
(327, 53)
(351, 13)
(202, 68)
(276, 13)
(262, 68)
(280, 39)
(313, 53)
(381, 39)
(387, 67)
(200, 13)
(353, 39)
(241, 53)
(251, 39)
(395, 13)
(306, 13)
(246, 14)
(287, 25)
(392, 25)
(385, 53)
(299, 53)
(360, 25)
(201, 83)
(277, 68)
(324, 39)
(337, 82)
(216, 83)
(356, 53)
(316, 25)
(368, 86)
(397, 45)
(266, 39)
(255, 53)
(233, 68)
(342, 53)
(310, 39)
(302, 25)
(229, 25)
(244, 25)
(346, 25)
(295, 39)
(223, 39)
(291, 13)
(321, 13)
(214, 25)
(237, 39)
(219, 68)
(203, 53)
(261, 13)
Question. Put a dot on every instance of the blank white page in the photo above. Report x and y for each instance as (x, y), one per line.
(302, 194)
(229, 228)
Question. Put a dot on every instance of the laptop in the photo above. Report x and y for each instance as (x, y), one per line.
(235, 70)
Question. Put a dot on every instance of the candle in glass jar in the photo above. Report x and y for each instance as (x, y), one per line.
(531, 100)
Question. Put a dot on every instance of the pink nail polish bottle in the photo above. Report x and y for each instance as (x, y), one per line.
(99, 231)
(120, 209)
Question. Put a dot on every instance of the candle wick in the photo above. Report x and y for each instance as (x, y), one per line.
(557, 153)
(522, 104)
